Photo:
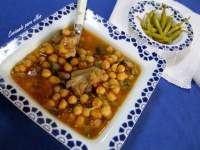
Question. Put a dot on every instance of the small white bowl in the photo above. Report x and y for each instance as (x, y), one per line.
(141, 8)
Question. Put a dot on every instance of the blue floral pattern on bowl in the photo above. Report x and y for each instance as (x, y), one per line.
(143, 7)
(54, 129)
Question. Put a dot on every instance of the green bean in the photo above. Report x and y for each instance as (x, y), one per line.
(176, 34)
(148, 20)
(163, 20)
(142, 23)
(153, 29)
(161, 37)
(178, 26)
(157, 23)
(168, 25)
(147, 32)
(158, 37)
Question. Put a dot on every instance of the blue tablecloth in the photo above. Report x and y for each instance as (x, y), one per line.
(171, 121)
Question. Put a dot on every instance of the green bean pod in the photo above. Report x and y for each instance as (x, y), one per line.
(168, 25)
(175, 35)
(160, 37)
(142, 23)
(148, 20)
(157, 23)
(163, 20)
(178, 26)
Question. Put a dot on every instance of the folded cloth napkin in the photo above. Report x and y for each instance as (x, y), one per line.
(185, 65)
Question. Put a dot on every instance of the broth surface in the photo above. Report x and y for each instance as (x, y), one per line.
(84, 91)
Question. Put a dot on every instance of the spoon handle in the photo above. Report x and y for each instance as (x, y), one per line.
(81, 10)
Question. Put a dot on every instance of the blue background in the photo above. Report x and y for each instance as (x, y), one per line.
(171, 121)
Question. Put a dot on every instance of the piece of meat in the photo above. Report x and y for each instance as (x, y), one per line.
(67, 46)
(82, 80)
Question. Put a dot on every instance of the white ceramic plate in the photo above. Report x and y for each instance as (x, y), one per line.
(143, 7)
(120, 126)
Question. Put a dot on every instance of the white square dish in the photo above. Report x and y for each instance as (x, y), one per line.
(124, 120)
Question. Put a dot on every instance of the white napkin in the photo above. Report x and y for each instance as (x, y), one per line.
(185, 66)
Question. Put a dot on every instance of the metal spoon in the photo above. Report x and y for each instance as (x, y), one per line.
(80, 18)
(78, 25)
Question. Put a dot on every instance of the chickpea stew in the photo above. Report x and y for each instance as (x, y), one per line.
(83, 89)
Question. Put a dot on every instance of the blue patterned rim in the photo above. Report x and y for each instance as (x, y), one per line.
(140, 8)
(50, 125)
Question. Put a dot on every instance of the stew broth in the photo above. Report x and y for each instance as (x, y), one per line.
(84, 90)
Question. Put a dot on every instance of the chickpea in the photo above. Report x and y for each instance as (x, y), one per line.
(109, 49)
(97, 102)
(72, 117)
(110, 60)
(120, 68)
(86, 112)
(64, 92)
(114, 57)
(42, 59)
(122, 76)
(20, 68)
(112, 75)
(116, 89)
(54, 80)
(131, 77)
(57, 88)
(118, 54)
(100, 90)
(106, 84)
(53, 58)
(129, 64)
(74, 61)
(81, 51)
(96, 113)
(37, 53)
(32, 57)
(50, 103)
(94, 78)
(80, 121)
(45, 64)
(63, 104)
(84, 98)
(16, 69)
(46, 73)
(113, 82)
(106, 111)
(114, 67)
(89, 52)
(111, 96)
(27, 63)
(66, 32)
(48, 48)
(56, 96)
(105, 77)
(83, 57)
(105, 65)
(72, 100)
(77, 110)
(68, 67)
(90, 59)
(61, 60)
(97, 123)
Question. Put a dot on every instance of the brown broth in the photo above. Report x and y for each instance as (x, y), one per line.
(41, 89)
